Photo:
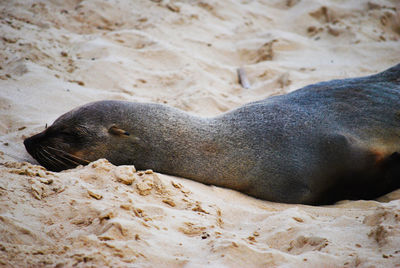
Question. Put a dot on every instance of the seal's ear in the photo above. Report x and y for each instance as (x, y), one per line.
(117, 131)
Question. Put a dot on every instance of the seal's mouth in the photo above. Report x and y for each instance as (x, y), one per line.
(52, 158)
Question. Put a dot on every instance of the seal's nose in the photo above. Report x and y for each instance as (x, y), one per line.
(32, 142)
(28, 145)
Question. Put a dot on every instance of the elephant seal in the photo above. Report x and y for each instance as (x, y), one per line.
(322, 143)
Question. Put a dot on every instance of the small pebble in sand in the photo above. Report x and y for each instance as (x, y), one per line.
(298, 219)
(148, 171)
(106, 215)
(173, 7)
(143, 188)
(125, 174)
(94, 195)
(126, 206)
(169, 202)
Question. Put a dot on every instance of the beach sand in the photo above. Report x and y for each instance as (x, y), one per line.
(56, 55)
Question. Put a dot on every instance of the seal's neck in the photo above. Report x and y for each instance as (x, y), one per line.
(173, 142)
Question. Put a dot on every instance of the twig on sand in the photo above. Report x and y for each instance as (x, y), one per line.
(243, 78)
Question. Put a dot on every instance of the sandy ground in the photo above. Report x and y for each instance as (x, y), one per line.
(55, 55)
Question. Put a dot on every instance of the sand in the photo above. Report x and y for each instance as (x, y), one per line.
(56, 55)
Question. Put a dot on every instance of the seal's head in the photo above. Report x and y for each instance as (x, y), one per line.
(78, 137)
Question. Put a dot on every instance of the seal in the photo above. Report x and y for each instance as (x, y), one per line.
(322, 143)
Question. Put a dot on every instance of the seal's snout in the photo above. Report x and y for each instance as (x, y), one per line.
(28, 145)
(31, 143)
(48, 152)
(34, 145)
(28, 142)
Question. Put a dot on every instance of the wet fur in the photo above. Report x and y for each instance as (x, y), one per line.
(317, 145)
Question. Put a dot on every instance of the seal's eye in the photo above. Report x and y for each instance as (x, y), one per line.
(65, 133)
(71, 136)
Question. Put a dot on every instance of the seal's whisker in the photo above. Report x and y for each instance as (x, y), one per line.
(70, 157)
(58, 162)
(46, 160)
(38, 156)
(51, 158)
(80, 160)
(69, 160)
(35, 154)
(42, 157)
(75, 159)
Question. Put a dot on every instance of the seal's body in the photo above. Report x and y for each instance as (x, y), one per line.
(322, 143)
